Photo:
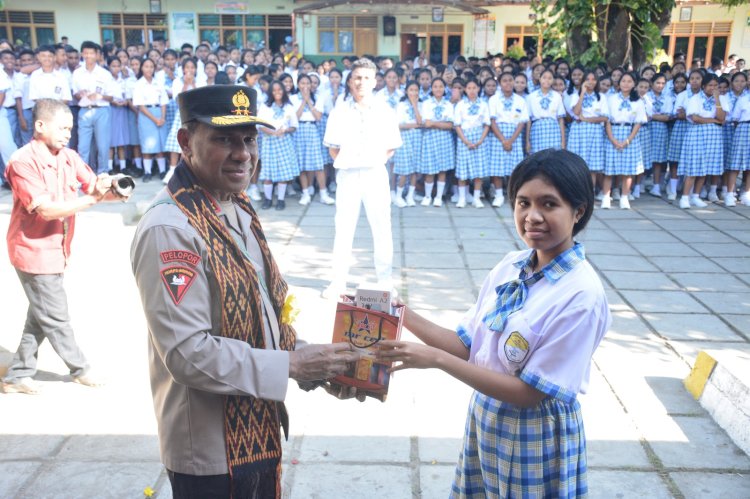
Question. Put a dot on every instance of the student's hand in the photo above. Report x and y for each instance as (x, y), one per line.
(159, 121)
(23, 123)
(411, 355)
(318, 362)
(507, 145)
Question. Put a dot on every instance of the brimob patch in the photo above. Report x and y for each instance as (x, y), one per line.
(177, 280)
(182, 256)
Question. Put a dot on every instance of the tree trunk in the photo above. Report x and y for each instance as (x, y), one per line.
(639, 55)
(617, 45)
(578, 42)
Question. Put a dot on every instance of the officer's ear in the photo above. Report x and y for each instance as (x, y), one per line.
(183, 138)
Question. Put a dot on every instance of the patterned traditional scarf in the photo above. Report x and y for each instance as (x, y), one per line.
(251, 425)
(512, 295)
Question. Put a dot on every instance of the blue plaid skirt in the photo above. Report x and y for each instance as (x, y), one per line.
(152, 138)
(278, 159)
(587, 141)
(739, 157)
(502, 162)
(307, 141)
(472, 163)
(438, 152)
(659, 142)
(322, 123)
(676, 138)
(628, 161)
(644, 137)
(727, 131)
(406, 158)
(510, 451)
(545, 134)
(702, 151)
(172, 144)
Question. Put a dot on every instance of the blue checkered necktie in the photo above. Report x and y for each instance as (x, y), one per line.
(624, 103)
(512, 295)
(708, 102)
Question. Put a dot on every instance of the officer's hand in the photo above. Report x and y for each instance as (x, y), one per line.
(315, 362)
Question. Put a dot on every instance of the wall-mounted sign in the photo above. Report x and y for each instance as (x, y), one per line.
(230, 8)
(437, 14)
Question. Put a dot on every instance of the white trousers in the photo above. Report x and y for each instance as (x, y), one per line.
(354, 187)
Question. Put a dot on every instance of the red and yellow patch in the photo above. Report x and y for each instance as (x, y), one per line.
(177, 280)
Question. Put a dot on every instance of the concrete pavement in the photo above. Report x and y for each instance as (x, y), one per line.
(678, 282)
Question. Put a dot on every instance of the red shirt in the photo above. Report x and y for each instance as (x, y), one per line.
(36, 245)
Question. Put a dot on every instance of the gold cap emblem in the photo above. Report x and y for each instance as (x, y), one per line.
(242, 103)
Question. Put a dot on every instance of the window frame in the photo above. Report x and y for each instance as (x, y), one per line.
(7, 24)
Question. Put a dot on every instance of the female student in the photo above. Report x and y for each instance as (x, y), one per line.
(329, 96)
(391, 93)
(437, 142)
(663, 106)
(181, 84)
(135, 142)
(526, 346)
(622, 152)
(703, 149)
(472, 122)
(643, 87)
(589, 112)
(210, 69)
(679, 95)
(739, 154)
(278, 156)
(547, 112)
(508, 118)
(520, 85)
(309, 110)
(150, 98)
(120, 137)
(489, 88)
(406, 158)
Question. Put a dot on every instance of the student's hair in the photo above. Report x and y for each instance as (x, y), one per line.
(544, 72)
(266, 78)
(288, 76)
(222, 78)
(335, 70)
(566, 171)
(708, 78)
(186, 46)
(657, 76)
(8, 51)
(633, 97)
(69, 49)
(723, 79)
(738, 74)
(364, 63)
(306, 77)
(458, 81)
(522, 75)
(682, 76)
(700, 71)
(46, 48)
(26, 52)
(251, 70)
(211, 63)
(409, 83)
(187, 61)
(112, 59)
(45, 109)
(88, 44)
(437, 78)
(586, 73)
(284, 97)
(143, 63)
(170, 52)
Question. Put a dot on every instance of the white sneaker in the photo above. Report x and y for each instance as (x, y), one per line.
(745, 200)
(454, 197)
(616, 194)
(254, 193)
(400, 202)
(461, 203)
(478, 203)
(168, 176)
(304, 200)
(606, 203)
(729, 200)
(713, 197)
(697, 202)
(498, 201)
(685, 203)
(437, 202)
(410, 201)
(325, 198)
(426, 201)
(624, 203)
(671, 195)
(655, 191)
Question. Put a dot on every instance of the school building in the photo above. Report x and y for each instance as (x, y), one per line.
(334, 28)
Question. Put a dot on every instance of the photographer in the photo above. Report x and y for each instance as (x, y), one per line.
(44, 176)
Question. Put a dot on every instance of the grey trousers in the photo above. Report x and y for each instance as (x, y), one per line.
(48, 318)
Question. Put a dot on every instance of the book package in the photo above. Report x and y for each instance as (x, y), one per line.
(363, 327)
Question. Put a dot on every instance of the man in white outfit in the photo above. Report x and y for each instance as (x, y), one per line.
(362, 133)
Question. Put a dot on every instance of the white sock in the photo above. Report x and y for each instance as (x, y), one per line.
(281, 191)
(724, 190)
(428, 189)
(411, 191)
(110, 164)
(399, 192)
(147, 165)
(694, 195)
(440, 190)
(162, 162)
(138, 163)
(673, 184)
(268, 190)
(122, 164)
(462, 192)
(310, 190)
(712, 189)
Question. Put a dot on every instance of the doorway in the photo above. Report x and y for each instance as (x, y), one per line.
(409, 47)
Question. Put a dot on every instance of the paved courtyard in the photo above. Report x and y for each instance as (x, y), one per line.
(677, 282)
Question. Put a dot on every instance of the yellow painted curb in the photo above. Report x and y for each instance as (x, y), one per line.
(698, 377)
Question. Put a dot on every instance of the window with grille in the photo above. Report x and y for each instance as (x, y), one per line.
(337, 34)
(527, 37)
(125, 29)
(698, 40)
(30, 28)
(244, 30)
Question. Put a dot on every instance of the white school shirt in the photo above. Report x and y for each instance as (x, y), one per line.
(163, 79)
(682, 99)
(552, 337)
(437, 111)
(591, 107)
(147, 93)
(508, 110)
(21, 89)
(363, 133)
(391, 99)
(469, 115)
(648, 104)
(307, 115)
(118, 88)
(96, 81)
(52, 85)
(623, 110)
(405, 112)
(545, 106)
(662, 104)
(741, 110)
(702, 105)
(282, 118)
(178, 83)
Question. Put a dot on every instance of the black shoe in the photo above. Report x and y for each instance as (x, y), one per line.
(136, 172)
(146, 178)
(162, 175)
(280, 204)
(266, 204)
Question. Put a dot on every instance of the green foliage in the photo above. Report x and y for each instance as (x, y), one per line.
(516, 51)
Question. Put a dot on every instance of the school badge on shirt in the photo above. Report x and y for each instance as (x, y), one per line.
(177, 280)
(516, 347)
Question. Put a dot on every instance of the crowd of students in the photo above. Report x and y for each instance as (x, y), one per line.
(465, 126)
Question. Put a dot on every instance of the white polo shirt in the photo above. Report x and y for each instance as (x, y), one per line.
(99, 81)
(52, 85)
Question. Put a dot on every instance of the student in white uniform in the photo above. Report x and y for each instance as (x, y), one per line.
(406, 158)
(47, 82)
(438, 148)
(546, 128)
(589, 111)
(472, 121)
(24, 105)
(663, 106)
(7, 143)
(150, 98)
(120, 137)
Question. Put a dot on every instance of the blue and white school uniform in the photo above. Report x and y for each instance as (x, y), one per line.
(168, 83)
(507, 113)
(587, 139)
(406, 158)
(391, 98)
(703, 149)
(544, 112)
(680, 127)
(119, 115)
(644, 134)
(278, 156)
(472, 117)
(151, 95)
(739, 156)
(438, 152)
(727, 129)
(662, 104)
(307, 139)
(172, 145)
(623, 115)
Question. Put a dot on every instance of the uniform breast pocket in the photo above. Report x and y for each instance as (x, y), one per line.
(517, 343)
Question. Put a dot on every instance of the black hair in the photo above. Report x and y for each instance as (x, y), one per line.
(586, 73)
(8, 51)
(633, 92)
(708, 78)
(312, 94)
(186, 46)
(26, 52)
(335, 70)
(186, 60)
(458, 81)
(46, 48)
(409, 83)
(222, 78)
(112, 59)
(657, 76)
(143, 63)
(565, 171)
(723, 79)
(284, 98)
(738, 73)
(284, 76)
(88, 44)
(170, 52)
(251, 70)
(437, 78)
(682, 76)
